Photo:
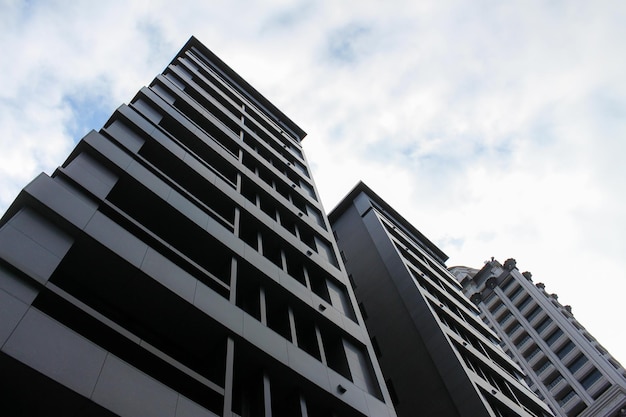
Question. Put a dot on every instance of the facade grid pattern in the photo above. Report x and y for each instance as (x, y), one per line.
(180, 263)
(435, 350)
(574, 374)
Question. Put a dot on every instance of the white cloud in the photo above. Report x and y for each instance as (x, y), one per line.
(497, 128)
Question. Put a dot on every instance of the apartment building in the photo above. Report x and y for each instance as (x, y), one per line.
(437, 356)
(179, 263)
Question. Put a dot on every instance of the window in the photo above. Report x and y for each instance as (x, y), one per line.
(507, 284)
(497, 308)
(590, 379)
(577, 363)
(524, 340)
(514, 328)
(515, 292)
(544, 324)
(533, 313)
(568, 396)
(553, 383)
(339, 298)
(567, 348)
(544, 367)
(554, 336)
(533, 353)
(524, 302)
(506, 317)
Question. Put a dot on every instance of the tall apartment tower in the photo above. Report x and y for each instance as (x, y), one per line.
(564, 364)
(179, 263)
(438, 357)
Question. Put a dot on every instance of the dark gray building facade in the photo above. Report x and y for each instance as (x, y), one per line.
(179, 263)
(565, 365)
(437, 355)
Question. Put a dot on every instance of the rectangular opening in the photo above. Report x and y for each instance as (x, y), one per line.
(134, 354)
(392, 392)
(248, 231)
(317, 278)
(139, 304)
(212, 108)
(339, 299)
(285, 399)
(305, 334)
(295, 268)
(272, 249)
(248, 290)
(361, 368)
(335, 353)
(208, 125)
(268, 207)
(249, 190)
(248, 398)
(189, 179)
(277, 313)
(288, 221)
(171, 226)
(201, 149)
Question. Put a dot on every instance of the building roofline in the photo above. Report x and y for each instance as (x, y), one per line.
(361, 187)
(245, 88)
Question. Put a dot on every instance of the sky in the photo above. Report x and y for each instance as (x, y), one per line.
(496, 128)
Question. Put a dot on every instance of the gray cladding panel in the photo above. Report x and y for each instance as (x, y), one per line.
(307, 365)
(148, 111)
(116, 238)
(26, 254)
(56, 351)
(125, 135)
(42, 231)
(265, 338)
(11, 311)
(90, 173)
(169, 274)
(76, 208)
(129, 392)
(187, 408)
(18, 287)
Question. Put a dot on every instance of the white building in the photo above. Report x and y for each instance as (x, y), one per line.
(564, 364)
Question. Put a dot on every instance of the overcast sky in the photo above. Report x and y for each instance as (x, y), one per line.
(496, 128)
